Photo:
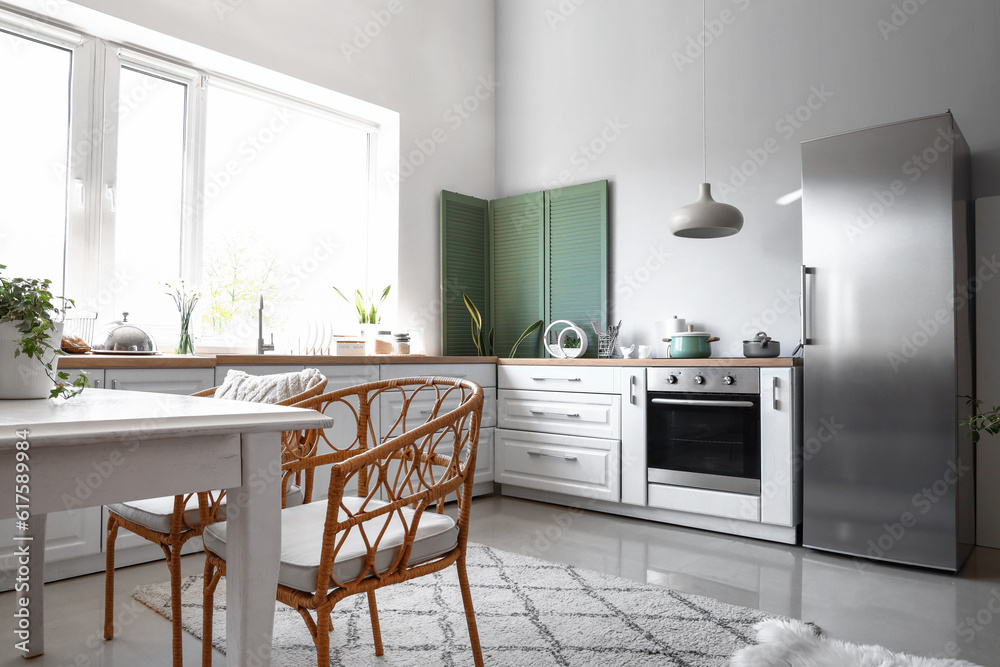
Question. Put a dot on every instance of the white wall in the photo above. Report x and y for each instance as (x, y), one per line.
(610, 74)
(425, 57)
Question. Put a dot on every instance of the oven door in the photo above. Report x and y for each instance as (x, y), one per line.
(706, 441)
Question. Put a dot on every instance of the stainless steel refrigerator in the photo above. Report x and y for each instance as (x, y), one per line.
(888, 314)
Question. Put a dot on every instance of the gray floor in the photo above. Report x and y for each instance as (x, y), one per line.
(906, 609)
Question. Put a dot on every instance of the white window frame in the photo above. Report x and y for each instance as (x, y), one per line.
(114, 59)
(96, 41)
(78, 162)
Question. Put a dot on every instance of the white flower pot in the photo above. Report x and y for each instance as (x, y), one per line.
(23, 376)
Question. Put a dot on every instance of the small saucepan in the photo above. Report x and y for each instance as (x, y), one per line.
(761, 347)
(690, 345)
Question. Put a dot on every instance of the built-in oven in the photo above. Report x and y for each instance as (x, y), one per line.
(703, 428)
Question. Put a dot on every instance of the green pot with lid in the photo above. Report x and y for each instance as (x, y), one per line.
(691, 345)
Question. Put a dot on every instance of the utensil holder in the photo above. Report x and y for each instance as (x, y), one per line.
(606, 345)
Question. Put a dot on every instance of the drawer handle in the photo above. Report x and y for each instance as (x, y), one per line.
(557, 414)
(567, 457)
(564, 379)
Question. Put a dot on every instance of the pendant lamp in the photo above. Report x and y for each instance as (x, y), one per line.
(705, 218)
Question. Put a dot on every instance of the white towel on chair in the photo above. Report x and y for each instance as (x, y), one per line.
(240, 386)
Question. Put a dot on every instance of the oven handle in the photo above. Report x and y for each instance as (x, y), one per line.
(703, 404)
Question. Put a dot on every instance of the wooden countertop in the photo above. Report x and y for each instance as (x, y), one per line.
(83, 361)
(77, 361)
(775, 362)
(328, 360)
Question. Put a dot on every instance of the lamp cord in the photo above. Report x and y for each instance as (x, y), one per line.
(704, 95)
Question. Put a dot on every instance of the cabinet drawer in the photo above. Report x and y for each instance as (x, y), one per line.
(587, 467)
(589, 415)
(95, 376)
(485, 375)
(340, 377)
(182, 381)
(702, 501)
(391, 404)
(588, 379)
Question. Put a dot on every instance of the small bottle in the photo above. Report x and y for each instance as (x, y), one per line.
(401, 344)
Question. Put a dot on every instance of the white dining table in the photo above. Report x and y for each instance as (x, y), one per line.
(127, 445)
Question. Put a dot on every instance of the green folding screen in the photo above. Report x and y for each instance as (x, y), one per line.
(542, 255)
(465, 267)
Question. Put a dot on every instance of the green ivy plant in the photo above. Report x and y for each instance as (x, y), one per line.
(485, 344)
(367, 308)
(981, 422)
(29, 303)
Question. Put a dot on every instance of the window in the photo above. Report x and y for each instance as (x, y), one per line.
(122, 171)
(35, 137)
(148, 197)
(285, 210)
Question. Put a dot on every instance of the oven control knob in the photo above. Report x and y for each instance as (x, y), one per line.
(729, 379)
(671, 379)
(699, 379)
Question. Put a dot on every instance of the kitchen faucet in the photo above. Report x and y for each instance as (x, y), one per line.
(261, 346)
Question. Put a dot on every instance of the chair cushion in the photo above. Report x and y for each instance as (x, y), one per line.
(156, 513)
(302, 541)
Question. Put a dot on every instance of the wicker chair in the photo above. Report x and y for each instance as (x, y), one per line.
(171, 522)
(347, 545)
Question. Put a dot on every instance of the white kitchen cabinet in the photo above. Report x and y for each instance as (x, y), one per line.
(76, 538)
(485, 461)
(780, 466)
(182, 381)
(584, 467)
(95, 376)
(560, 429)
(579, 379)
(633, 402)
(721, 504)
(391, 404)
(588, 415)
(546, 449)
(485, 375)
(68, 534)
(79, 533)
(344, 429)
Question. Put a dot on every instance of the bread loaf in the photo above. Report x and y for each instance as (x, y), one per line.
(74, 345)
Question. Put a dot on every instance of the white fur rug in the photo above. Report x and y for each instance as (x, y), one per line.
(789, 643)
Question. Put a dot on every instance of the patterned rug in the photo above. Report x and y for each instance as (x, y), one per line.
(529, 612)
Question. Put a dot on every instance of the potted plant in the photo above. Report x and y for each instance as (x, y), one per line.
(484, 343)
(30, 339)
(981, 422)
(368, 315)
(367, 308)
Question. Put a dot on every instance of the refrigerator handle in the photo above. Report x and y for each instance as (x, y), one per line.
(804, 308)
